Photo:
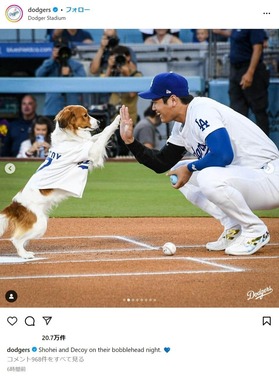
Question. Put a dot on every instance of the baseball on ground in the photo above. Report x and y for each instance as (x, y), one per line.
(169, 249)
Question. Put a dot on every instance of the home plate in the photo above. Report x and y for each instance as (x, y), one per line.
(16, 259)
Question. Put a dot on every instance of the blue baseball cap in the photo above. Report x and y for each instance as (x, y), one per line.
(166, 84)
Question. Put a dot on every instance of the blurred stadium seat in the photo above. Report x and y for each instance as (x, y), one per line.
(127, 36)
(186, 35)
(9, 35)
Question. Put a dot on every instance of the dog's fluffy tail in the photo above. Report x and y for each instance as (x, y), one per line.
(4, 223)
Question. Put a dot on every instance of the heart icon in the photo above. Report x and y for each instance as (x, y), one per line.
(12, 320)
(167, 349)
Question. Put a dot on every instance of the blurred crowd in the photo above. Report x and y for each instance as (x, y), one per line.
(18, 135)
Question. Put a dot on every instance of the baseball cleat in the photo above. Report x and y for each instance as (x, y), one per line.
(225, 240)
(245, 246)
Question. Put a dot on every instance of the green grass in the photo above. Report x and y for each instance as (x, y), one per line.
(120, 189)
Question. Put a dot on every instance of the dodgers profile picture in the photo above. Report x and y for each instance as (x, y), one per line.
(14, 13)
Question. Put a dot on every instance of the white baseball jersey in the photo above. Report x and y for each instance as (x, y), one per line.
(250, 182)
(251, 147)
(66, 167)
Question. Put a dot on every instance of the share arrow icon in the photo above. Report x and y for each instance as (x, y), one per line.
(47, 319)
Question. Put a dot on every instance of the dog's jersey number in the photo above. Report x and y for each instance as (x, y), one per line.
(84, 164)
(46, 163)
(52, 155)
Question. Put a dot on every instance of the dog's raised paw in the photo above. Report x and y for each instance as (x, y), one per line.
(117, 120)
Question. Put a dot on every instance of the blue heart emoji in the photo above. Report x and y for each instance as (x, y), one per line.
(167, 349)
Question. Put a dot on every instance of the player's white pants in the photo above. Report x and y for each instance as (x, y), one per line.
(230, 194)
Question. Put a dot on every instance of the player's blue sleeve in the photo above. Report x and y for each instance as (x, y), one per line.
(220, 151)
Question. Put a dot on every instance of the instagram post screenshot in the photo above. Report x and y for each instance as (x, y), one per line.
(139, 177)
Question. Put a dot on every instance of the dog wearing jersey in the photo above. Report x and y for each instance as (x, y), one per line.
(74, 151)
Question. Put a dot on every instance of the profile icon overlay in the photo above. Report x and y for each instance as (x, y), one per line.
(14, 13)
(11, 296)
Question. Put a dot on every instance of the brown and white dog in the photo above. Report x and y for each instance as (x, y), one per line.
(74, 151)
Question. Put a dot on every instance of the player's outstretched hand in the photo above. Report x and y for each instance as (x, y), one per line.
(126, 126)
(183, 175)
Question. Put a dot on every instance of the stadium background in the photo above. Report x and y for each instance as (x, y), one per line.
(206, 61)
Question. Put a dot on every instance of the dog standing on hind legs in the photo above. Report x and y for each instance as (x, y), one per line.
(74, 151)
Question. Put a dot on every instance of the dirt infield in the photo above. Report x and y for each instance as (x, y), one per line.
(112, 262)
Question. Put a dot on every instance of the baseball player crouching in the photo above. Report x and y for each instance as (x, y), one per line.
(237, 165)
